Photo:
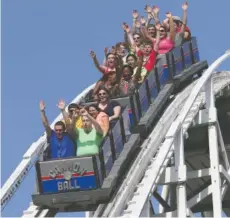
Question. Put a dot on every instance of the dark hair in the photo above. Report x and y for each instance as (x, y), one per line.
(131, 55)
(95, 106)
(151, 25)
(73, 105)
(119, 44)
(130, 68)
(136, 33)
(104, 89)
(109, 54)
(148, 42)
(60, 123)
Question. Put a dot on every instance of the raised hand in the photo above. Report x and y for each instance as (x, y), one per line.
(125, 27)
(155, 10)
(158, 26)
(61, 104)
(42, 105)
(135, 14)
(106, 51)
(113, 50)
(143, 21)
(168, 14)
(185, 6)
(150, 16)
(138, 24)
(92, 54)
(148, 9)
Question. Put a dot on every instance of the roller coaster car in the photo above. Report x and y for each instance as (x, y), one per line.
(81, 183)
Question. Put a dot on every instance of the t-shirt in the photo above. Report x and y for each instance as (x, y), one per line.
(149, 61)
(110, 106)
(143, 74)
(78, 123)
(61, 148)
(88, 143)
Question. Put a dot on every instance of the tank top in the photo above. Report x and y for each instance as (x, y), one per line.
(61, 148)
(88, 143)
(165, 45)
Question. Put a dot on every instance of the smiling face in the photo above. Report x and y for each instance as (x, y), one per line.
(103, 96)
(152, 31)
(93, 112)
(131, 61)
(59, 130)
(137, 39)
(162, 33)
(127, 74)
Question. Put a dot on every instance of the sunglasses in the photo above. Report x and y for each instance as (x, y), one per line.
(136, 38)
(58, 130)
(102, 93)
(162, 31)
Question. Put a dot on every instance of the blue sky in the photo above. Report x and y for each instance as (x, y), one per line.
(45, 55)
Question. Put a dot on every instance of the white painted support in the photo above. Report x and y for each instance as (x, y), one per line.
(209, 95)
(215, 173)
(165, 196)
(222, 147)
(147, 209)
(181, 172)
(225, 174)
(118, 203)
(170, 175)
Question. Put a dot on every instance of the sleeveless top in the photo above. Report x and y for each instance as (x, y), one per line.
(61, 148)
(88, 143)
(165, 45)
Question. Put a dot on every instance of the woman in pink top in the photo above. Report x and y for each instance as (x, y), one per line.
(101, 117)
(166, 39)
(111, 63)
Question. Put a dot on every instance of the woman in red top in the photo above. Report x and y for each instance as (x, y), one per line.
(111, 63)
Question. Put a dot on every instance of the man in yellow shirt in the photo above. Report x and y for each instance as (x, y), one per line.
(72, 109)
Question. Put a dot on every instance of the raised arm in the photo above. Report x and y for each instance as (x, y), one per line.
(146, 34)
(186, 34)
(44, 118)
(156, 44)
(155, 14)
(171, 26)
(135, 17)
(106, 51)
(69, 123)
(126, 40)
(94, 122)
(148, 10)
(96, 62)
(129, 34)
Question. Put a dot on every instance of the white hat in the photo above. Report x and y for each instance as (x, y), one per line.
(176, 18)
